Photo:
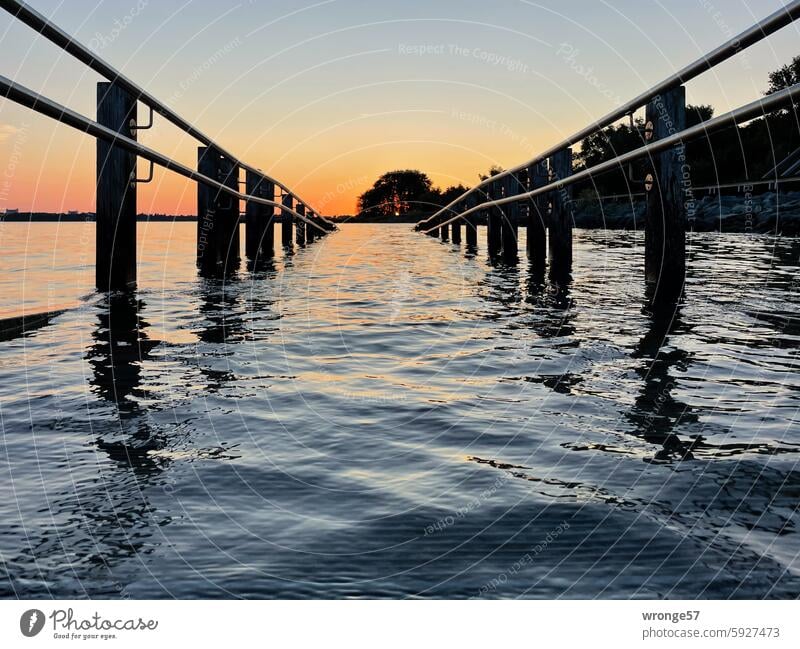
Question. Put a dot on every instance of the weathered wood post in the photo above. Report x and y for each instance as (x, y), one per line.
(561, 217)
(510, 216)
(208, 164)
(286, 221)
(311, 231)
(471, 224)
(494, 222)
(260, 231)
(665, 219)
(456, 231)
(300, 226)
(228, 217)
(115, 229)
(444, 230)
(217, 215)
(537, 218)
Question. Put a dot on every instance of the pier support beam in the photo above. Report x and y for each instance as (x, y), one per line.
(444, 231)
(665, 220)
(260, 221)
(115, 231)
(300, 226)
(494, 222)
(456, 232)
(510, 212)
(217, 215)
(286, 221)
(561, 218)
(537, 219)
(311, 231)
(471, 223)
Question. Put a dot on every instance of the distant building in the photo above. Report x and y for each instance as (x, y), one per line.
(11, 211)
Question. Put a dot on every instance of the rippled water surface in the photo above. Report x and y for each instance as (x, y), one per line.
(382, 415)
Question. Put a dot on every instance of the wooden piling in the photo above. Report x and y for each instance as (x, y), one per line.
(286, 221)
(260, 230)
(444, 231)
(217, 215)
(537, 219)
(471, 223)
(311, 231)
(665, 219)
(455, 232)
(510, 216)
(560, 226)
(300, 226)
(115, 229)
(494, 222)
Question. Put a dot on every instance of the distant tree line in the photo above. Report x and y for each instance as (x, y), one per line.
(405, 194)
(735, 154)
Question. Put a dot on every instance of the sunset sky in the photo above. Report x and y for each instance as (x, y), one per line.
(328, 95)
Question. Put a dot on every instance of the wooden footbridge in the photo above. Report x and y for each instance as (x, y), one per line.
(537, 192)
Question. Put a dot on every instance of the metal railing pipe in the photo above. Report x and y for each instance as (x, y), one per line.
(36, 21)
(769, 25)
(30, 99)
(754, 109)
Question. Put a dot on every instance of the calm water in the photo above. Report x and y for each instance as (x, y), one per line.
(381, 416)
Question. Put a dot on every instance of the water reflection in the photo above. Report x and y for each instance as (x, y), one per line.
(656, 412)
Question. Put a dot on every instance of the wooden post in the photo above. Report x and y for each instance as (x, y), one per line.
(665, 220)
(510, 215)
(471, 224)
(494, 223)
(561, 218)
(217, 215)
(115, 229)
(311, 231)
(444, 231)
(260, 230)
(537, 219)
(286, 221)
(231, 217)
(456, 232)
(300, 225)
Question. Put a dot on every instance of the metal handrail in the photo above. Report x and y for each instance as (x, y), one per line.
(30, 99)
(24, 13)
(769, 25)
(745, 113)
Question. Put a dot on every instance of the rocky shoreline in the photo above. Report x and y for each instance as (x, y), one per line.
(767, 213)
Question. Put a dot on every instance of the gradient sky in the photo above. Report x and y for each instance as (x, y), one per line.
(328, 95)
